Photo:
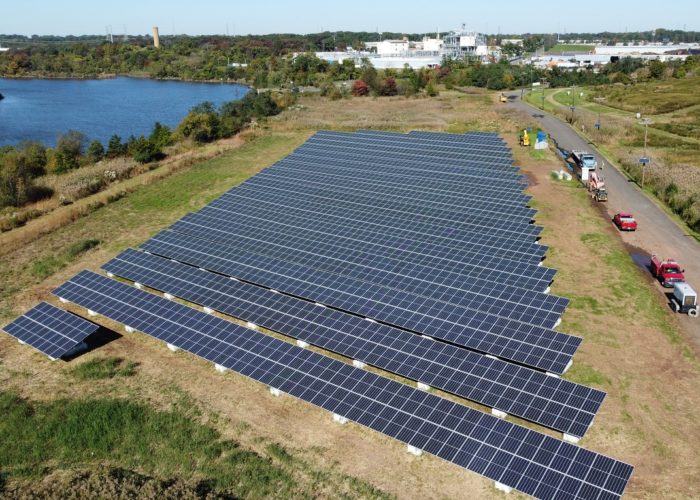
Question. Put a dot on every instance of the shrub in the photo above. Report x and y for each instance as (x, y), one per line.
(388, 87)
(360, 88)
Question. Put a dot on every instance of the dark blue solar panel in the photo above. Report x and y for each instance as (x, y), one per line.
(292, 245)
(455, 433)
(526, 393)
(527, 344)
(50, 330)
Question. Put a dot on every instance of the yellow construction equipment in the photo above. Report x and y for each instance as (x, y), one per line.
(504, 98)
(525, 139)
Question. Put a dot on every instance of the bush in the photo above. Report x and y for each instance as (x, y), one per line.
(95, 151)
(360, 89)
(388, 87)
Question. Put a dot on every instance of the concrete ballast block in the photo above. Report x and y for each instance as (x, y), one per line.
(62, 300)
(208, 310)
(498, 413)
(414, 451)
(129, 329)
(422, 386)
(252, 326)
(275, 392)
(91, 312)
(173, 348)
(340, 419)
(502, 487)
(168, 296)
(220, 368)
(571, 439)
(303, 344)
(138, 285)
(358, 364)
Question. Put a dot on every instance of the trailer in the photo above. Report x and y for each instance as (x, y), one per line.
(666, 271)
(685, 300)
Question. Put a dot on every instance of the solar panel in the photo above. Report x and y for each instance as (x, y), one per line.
(477, 186)
(408, 149)
(423, 261)
(520, 391)
(526, 344)
(458, 142)
(387, 173)
(512, 455)
(289, 244)
(429, 220)
(50, 330)
(462, 249)
(321, 185)
(448, 234)
(367, 203)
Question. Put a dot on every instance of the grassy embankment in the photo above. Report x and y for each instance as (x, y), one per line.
(570, 47)
(673, 142)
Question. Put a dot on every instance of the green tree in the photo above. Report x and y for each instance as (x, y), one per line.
(657, 69)
(115, 147)
(69, 150)
(15, 180)
(35, 157)
(144, 150)
(161, 136)
(95, 151)
(199, 127)
(431, 90)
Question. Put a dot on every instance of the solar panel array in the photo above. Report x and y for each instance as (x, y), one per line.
(51, 330)
(526, 393)
(507, 453)
(429, 237)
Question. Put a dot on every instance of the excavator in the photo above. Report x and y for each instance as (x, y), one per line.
(596, 186)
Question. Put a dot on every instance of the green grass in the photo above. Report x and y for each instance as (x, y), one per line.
(39, 436)
(585, 374)
(655, 97)
(102, 368)
(570, 47)
(50, 264)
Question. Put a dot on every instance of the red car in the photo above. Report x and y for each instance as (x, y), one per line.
(625, 222)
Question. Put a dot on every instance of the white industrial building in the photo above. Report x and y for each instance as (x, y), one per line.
(427, 53)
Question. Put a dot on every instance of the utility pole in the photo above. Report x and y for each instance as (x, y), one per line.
(645, 159)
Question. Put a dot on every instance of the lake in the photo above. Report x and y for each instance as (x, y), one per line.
(42, 109)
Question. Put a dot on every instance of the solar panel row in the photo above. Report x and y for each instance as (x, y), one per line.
(526, 393)
(537, 308)
(512, 455)
(485, 332)
(51, 330)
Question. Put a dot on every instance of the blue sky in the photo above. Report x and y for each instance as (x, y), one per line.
(275, 16)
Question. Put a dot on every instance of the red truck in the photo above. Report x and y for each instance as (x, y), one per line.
(666, 271)
(625, 222)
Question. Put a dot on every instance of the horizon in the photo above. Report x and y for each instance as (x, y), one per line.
(213, 17)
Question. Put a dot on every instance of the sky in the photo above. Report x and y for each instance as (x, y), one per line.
(195, 17)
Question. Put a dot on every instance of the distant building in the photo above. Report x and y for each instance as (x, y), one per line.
(462, 43)
(156, 37)
(512, 41)
(393, 47)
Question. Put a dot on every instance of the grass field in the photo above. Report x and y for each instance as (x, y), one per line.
(570, 47)
(225, 432)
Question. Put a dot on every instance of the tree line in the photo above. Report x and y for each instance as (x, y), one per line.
(22, 164)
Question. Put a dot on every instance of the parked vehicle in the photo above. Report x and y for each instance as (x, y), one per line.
(666, 271)
(625, 222)
(584, 159)
(596, 186)
(685, 300)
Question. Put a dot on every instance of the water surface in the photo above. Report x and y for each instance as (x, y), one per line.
(42, 109)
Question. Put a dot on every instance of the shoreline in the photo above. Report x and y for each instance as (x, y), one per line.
(112, 76)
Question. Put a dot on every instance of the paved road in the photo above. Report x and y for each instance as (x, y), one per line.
(657, 233)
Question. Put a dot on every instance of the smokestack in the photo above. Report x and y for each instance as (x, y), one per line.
(156, 37)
